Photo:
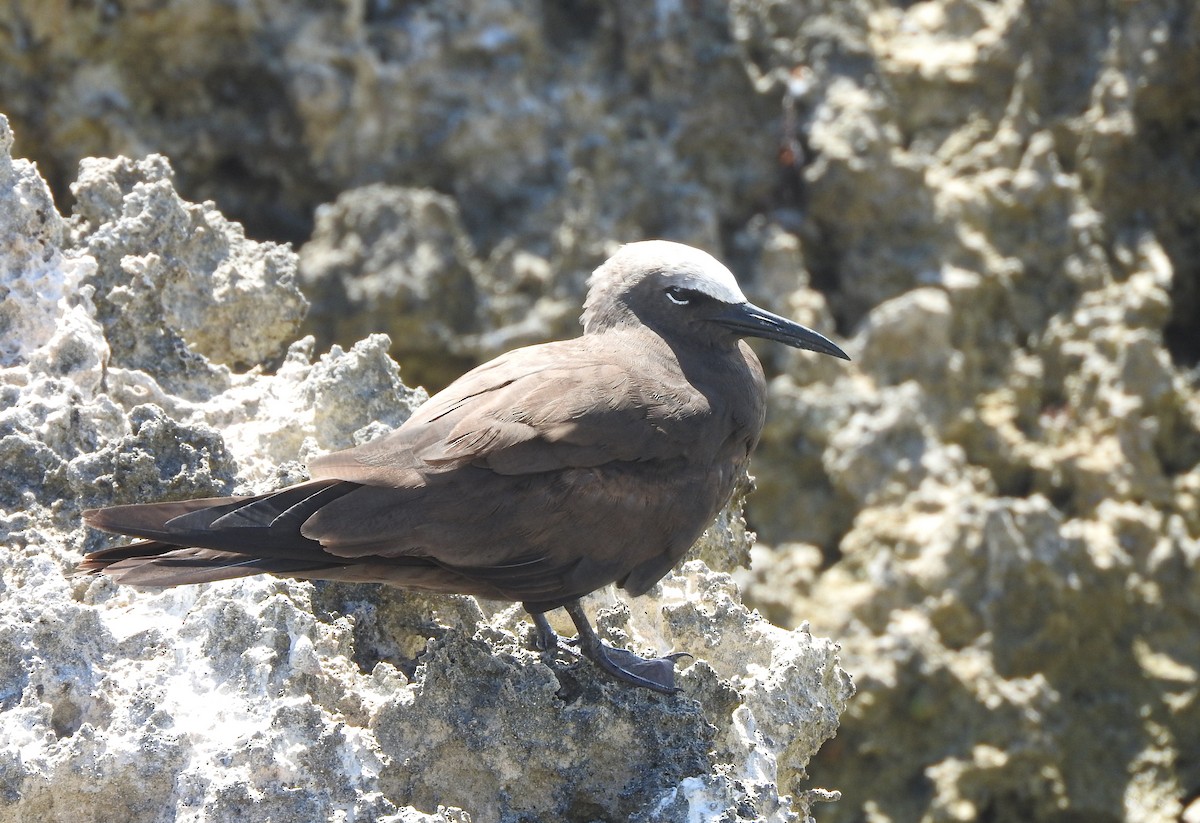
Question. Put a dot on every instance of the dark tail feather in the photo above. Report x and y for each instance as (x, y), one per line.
(150, 517)
(154, 563)
(142, 550)
(274, 515)
(216, 538)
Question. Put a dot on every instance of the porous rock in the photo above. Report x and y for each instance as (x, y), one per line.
(1003, 535)
(34, 278)
(387, 257)
(284, 700)
(995, 202)
(175, 281)
(556, 131)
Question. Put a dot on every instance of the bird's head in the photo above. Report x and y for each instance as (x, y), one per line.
(685, 295)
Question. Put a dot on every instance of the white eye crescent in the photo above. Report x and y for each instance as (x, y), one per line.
(677, 295)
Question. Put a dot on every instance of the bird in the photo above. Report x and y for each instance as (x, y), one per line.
(539, 477)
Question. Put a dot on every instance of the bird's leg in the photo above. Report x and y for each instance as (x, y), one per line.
(657, 673)
(544, 638)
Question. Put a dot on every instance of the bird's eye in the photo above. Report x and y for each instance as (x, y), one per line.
(678, 296)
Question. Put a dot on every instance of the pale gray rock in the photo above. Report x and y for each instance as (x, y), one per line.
(383, 257)
(175, 281)
(909, 338)
(34, 277)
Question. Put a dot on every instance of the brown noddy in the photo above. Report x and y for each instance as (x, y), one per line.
(538, 477)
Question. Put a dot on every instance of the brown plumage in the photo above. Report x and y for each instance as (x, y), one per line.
(538, 477)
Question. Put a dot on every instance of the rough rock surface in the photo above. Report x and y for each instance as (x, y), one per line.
(172, 280)
(995, 508)
(1003, 533)
(268, 699)
(387, 257)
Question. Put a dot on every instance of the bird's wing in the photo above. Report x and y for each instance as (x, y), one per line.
(542, 408)
(475, 492)
(485, 476)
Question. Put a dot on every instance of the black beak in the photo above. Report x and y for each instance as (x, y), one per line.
(748, 320)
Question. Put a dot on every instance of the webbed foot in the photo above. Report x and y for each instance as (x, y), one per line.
(651, 673)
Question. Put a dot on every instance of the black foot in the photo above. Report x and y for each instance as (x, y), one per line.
(656, 673)
(649, 673)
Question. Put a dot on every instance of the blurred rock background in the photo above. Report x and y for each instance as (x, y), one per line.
(995, 509)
